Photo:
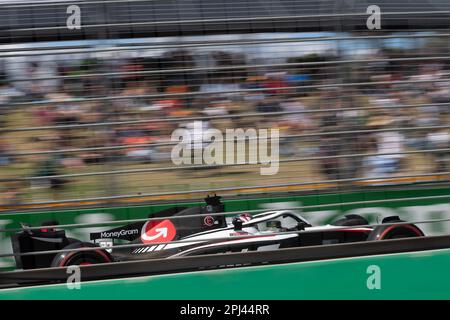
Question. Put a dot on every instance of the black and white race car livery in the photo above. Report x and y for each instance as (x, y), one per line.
(181, 231)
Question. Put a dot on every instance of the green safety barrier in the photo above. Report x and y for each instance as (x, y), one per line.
(408, 209)
(340, 200)
(415, 275)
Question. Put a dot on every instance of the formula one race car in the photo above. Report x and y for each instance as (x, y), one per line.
(181, 231)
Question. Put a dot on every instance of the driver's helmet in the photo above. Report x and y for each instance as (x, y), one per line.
(245, 217)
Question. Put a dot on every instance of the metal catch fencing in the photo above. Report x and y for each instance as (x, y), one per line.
(88, 122)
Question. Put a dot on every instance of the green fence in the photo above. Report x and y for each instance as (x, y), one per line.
(374, 205)
(419, 275)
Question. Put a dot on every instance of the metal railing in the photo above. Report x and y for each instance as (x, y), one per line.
(93, 121)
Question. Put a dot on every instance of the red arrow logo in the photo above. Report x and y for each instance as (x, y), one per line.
(163, 232)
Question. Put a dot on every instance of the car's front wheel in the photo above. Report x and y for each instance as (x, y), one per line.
(395, 232)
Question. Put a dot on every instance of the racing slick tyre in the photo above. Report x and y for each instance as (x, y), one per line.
(395, 232)
(81, 258)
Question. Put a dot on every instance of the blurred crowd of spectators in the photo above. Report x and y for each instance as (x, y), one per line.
(358, 131)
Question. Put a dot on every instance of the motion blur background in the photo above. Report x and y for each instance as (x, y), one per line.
(88, 121)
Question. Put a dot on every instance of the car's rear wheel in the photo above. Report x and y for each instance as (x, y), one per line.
(81, 258)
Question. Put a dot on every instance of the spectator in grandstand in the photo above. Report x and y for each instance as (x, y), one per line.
(269, 104)
(297, 122)
(330, 162)
(388, 147)
(36, 89)
(438, 142)
(298, 116)
(47, 169)
(11, 194)
(5, 158)
(275, 83)
(44, 115)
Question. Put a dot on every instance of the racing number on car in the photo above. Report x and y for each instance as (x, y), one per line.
(162, 232)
